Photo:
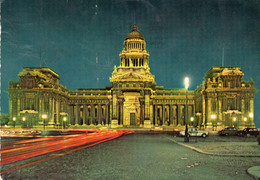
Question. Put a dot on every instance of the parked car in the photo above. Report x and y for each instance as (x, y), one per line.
(195, 132)
(249, 132)
(229, 131)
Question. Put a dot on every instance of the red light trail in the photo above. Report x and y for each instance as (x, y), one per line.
(13, 151)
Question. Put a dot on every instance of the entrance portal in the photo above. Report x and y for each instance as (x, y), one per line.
(132, 119)
(131, 109)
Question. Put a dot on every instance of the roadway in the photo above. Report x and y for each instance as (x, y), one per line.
(135, 156)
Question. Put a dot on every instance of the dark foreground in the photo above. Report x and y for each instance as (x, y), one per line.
(137, 156)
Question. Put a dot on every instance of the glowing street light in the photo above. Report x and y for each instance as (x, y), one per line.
(24, 119)
(192, 119)
(213, 116)
(245, 120)
(14, 119)
(44, 116)
(251, 116)
(234, 119)
(186, 84)
(64, 121)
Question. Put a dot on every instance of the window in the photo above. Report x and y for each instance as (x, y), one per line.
(213, 107)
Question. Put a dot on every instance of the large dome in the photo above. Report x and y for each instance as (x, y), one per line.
(134, 34)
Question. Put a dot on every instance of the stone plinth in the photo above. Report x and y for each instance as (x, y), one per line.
(147, 124)
(114, 124)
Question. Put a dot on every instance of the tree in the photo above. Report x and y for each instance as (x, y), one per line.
(4, 119)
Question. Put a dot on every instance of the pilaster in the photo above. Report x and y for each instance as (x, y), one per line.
(170, 109)
(155, 115)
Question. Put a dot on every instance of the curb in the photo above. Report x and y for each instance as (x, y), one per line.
(212, 154)
(254, 172)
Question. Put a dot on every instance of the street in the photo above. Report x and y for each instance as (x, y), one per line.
(137, 156)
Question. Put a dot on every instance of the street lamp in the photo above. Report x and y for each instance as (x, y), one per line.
(213, 118)
(192, 119)
(24, 119)
(245, 120)
(234, 119)
(14, 119)
(44, 116)
(64, 121)
(251, 116)
(186, 84)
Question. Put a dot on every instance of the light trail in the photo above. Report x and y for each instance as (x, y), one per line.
(25, 149)
(58, 155)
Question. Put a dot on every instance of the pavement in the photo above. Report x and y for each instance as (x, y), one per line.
(252, 171)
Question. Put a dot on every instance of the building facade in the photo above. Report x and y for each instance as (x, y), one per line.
(133, 99)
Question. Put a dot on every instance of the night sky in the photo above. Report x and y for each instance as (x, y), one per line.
(81, 39)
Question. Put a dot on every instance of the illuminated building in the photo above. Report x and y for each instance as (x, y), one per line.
(133, 99)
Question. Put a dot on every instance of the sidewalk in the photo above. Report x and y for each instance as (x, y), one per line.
(242, 149)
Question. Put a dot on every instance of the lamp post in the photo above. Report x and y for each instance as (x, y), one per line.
(245, 120)
(192, 119)
(44, 116)
(186, 84)
(251, 116)
(234, 119)
(64, 121)
(14, 119)
(213, 118)
(24, 119)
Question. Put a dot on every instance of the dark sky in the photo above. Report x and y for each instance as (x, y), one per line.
(81, 39)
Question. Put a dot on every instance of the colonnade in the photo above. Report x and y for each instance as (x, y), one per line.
(171, 114)
(133, 62)
(52, 106)
(89, 114)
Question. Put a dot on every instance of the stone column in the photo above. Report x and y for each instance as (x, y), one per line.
(111, 111)
(130, 62)
(220, 121)
(121, 114)
(147, 107)
(70, 114)
(51, 120)
(147, 121)
(18, 106)
(77, 114)
(10, 106)
(40, 105)
(87, 115)
(99, 114)
(151, 114)
(163, 114)
(58, 111)
(53, 104)
(155, 115)
(179, 114)
(107, 114)
(92, 114)
(114, 116)
(203, 111)
(170, 114)
(251, 119)
(209, 120)
(243, 107)
(84, 114)
(43, 105)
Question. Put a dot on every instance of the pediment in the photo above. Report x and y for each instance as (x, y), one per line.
(131, 77)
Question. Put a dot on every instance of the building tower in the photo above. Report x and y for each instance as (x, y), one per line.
(132, 83)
